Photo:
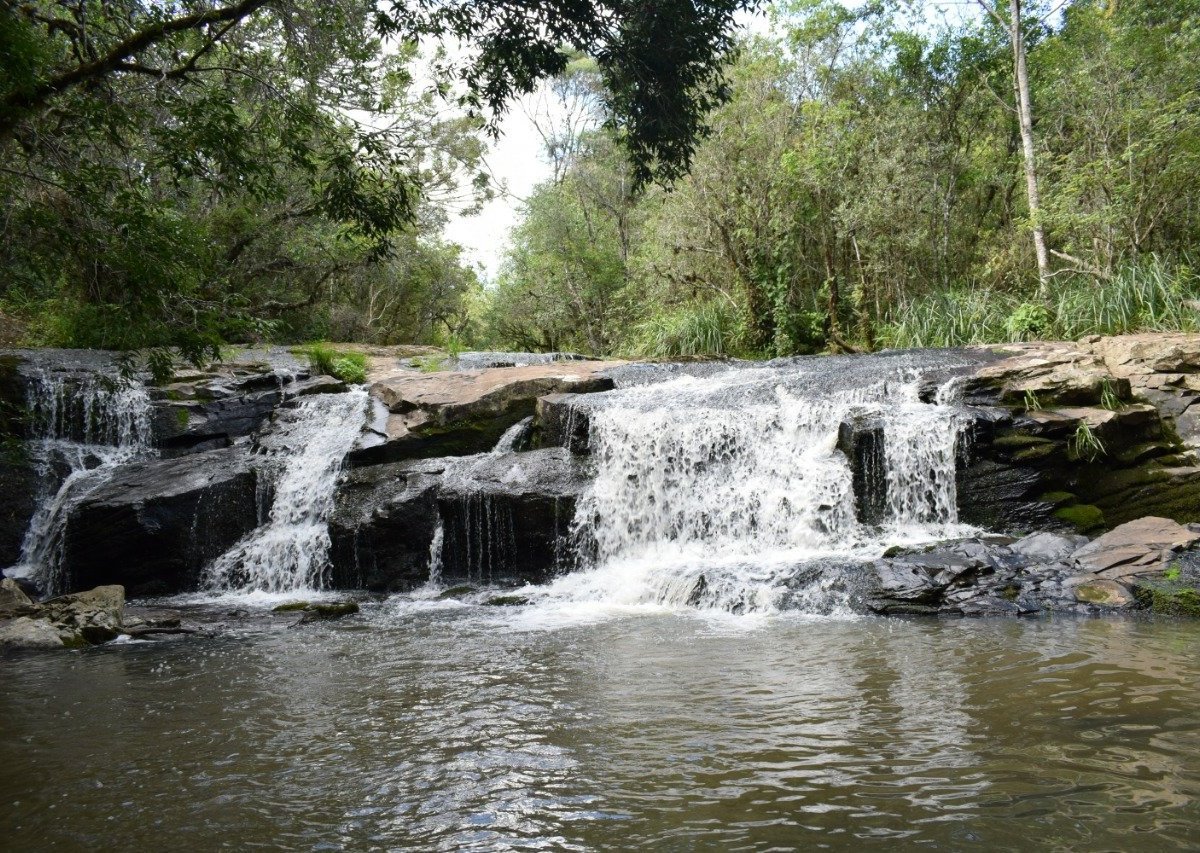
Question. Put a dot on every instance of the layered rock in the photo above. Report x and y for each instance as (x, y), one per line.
(463, 412)
(156, 524)
(1141, 563)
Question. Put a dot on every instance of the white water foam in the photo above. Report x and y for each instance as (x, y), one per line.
(290, 552)
(84, 427)
(728, 492)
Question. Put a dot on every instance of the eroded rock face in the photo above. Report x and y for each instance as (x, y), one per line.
(156, 524)
(463, 412)
(1148, 563)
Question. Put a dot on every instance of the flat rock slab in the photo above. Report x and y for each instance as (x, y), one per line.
(1137, 548)
(464, 412)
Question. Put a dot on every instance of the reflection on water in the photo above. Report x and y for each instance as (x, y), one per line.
(426, 726)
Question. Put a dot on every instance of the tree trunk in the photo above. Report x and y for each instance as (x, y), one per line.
(1025, 116)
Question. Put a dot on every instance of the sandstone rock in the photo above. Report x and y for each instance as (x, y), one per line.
(12, 597)
(1055, 373)
(156, 524)
(1136, 548)
(92, 617)
(27, 633)
(459, 413)
(1101, 592)
(1153, 352)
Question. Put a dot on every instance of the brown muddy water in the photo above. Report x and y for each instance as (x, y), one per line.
(418, 726)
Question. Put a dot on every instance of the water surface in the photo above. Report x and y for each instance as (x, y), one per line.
(423, 726)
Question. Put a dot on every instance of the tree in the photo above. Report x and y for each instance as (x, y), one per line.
(1016, 36)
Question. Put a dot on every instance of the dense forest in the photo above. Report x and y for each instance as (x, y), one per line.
(856, 176)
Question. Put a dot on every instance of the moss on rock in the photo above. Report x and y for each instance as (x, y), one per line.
(1083, 517)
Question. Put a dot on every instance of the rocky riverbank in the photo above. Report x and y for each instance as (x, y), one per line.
(1064, 443)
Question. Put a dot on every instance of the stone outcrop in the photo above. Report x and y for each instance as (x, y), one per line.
(457, 413)
(502, 518)
(156, 524)
(1082, 436)
(1149, 562)
(71, 621)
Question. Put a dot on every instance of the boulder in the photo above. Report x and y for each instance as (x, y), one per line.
(25, 632)
(1139, 547)
(90, 617)
(1052, 373)
(383, 524)
(12, 598)
(465, 412)
(1100, 592)
(156, 524)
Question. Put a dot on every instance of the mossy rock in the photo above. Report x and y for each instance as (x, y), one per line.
(1058, 499)
(1083, 517)
(327, 610)
(1039, 451)
(290, 607)
(457, 591)
(1144, 451)
(507, 601)
(1020, 440)
(1174, 597)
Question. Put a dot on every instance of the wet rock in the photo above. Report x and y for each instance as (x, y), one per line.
(1173, 596)
(507, 601)
(507, 518)
(384, 521)
(862, 441)
(1139, 547)
(327, 611)
(561, 422)
(18, 502)
(460, 413)
(156, 524)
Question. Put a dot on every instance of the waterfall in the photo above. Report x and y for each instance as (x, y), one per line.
(721, 491)
(83, 426)
(303, 456)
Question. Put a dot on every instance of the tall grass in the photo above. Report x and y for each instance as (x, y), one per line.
(1150, 296)
(708, 328)
(347, 366)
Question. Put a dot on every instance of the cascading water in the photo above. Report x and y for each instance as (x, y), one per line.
(728, 491)
(303, 456)
(84, 426)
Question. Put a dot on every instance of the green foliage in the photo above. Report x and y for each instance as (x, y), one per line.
(1085, 444)
(1173, 572)
(705, 329)
(349, 367)
(1109, 398)
(1029, 321)
(1032, 403)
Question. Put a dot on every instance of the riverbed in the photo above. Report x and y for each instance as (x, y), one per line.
(425, 725)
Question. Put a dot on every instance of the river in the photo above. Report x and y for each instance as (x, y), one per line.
(426, 725)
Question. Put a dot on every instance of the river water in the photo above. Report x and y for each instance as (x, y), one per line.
(426, 725)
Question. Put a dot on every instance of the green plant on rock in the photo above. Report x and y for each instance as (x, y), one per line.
(1085, 444)
(1173, 572)
(347, 366)
(1109, 398)
(1032, 403)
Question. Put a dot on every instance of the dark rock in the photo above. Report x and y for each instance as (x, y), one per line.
(383, 524)
(18, 503)
(156, 524)
(562, 422)
(507, 518)
(862, 439)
